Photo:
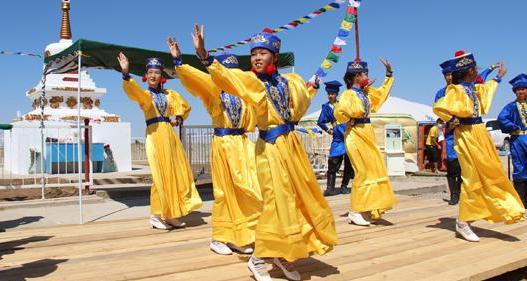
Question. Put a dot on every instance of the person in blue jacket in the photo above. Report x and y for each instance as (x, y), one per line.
(452, 163)
(337, 152)
(513, 121)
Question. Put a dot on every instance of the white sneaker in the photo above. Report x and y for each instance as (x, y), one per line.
(259, 269)
(288, 269)
(464, 230)
(158, 223)
(220, 248)
(243, 250)
(356, 218)
(176, 223)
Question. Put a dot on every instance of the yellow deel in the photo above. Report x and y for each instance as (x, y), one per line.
(486, 193)
(237, 195)
(372, 190)
(296, 219)
(432, 135)
(173, 193)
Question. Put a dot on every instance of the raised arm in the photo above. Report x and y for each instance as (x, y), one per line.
(233, 81)
(131, 88)
(197, 82)
(238, 83)
(379, 95)
(486, 91)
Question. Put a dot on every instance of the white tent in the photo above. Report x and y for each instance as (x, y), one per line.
(394, 105)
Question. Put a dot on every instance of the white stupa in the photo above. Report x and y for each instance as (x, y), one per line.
(60, 115)
(61, 89)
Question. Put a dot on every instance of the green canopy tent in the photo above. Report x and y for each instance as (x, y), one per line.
(104, 56)
(6, 127)
(92, 54)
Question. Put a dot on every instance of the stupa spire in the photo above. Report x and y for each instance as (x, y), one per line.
(65, 29)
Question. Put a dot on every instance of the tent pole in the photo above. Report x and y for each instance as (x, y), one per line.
(42, 137)
(79, 134)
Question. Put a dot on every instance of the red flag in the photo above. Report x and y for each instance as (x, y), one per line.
(336, 49)
(268, 30)
(352, 11)
(293, 23)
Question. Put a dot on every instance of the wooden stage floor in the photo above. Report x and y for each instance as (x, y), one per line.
(415, 241)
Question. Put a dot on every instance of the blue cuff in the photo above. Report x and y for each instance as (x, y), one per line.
(208, 61)
(177, 62)
(497, 79)
(127, 77)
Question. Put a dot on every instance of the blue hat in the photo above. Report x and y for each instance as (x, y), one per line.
(357, 66)
(228, 60)
(333, 86)
(447, 66)
(462, 62)
(156, 63)
(519, 81)
(267, 41)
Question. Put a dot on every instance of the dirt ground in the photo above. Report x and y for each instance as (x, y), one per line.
(20, 194)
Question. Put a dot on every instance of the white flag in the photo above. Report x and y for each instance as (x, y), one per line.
(339, 42)
(354, 3)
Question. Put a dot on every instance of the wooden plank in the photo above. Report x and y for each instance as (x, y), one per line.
(412, 244)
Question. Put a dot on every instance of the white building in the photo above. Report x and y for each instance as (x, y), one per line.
(60, 112)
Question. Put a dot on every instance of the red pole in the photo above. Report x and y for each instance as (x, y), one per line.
(86, 155)
(357, 46)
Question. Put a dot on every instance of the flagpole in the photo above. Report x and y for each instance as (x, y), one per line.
(79, 133)
(357, 46)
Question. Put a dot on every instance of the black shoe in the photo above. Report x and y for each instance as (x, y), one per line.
(454, 200)
(329, 192)
(345, 190)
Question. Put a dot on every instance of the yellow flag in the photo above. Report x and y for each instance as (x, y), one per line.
(326, 64)
(303, 20)
(328, 7)
(346, 25)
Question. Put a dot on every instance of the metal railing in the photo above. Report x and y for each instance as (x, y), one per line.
(197, 141)
(34, 157)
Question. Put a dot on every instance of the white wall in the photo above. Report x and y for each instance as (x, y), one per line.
(119, 137)
(26, 135)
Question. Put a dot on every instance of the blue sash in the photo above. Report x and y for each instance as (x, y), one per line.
(272, 134)
(157, 120)
(221, 132)
(470, 121)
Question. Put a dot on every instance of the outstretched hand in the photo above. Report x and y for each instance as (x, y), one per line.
(496, 65)
(387, 64)
(198, 39)
(502, 71)
(173, 46)
(124, 63)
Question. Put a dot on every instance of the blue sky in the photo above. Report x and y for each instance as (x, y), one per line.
(415, 35)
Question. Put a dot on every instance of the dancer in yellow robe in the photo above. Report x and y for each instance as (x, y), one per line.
(237, 195)
(296, 220)
(173, 193)
(372, 190)
(486, 192)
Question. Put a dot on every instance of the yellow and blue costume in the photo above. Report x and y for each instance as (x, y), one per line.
(486, 193)
(237, 195)
(372, 190)
(173, 193)
(513, 121)
(296, 219)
